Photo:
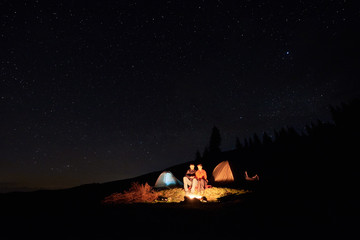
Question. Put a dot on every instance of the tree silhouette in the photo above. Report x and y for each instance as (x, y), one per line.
(257, 141)
(198, 157)
(266, 138)
(238, 144)
(251, 142)
(215, 141)
(246, 143)
(206, 154)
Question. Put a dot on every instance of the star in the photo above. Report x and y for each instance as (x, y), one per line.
(98, 82)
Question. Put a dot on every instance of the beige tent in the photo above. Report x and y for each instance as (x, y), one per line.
(222, 172)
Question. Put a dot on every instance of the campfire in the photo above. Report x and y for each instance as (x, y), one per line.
(193, 198)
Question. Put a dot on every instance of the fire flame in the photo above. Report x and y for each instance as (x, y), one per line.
(191, 196)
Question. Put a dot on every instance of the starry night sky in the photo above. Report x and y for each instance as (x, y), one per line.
(95, 91)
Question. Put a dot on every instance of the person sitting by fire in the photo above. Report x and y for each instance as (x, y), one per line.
(190, 180)
(201, 178)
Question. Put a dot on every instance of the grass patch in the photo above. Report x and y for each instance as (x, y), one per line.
(212, 194)
(143, 193)
(138, 193)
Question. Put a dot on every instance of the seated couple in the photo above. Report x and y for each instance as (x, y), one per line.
(195, 179)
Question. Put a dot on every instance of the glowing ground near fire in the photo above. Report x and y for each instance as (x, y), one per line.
(143, 193)
(212, 194)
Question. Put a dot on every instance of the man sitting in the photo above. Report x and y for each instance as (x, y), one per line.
(201, 178)
(190, 180)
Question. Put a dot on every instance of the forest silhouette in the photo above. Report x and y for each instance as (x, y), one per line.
(317, 162)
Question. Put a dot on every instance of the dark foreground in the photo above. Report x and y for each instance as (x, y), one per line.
(251, 216)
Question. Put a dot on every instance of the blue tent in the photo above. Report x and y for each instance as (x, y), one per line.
(167, 179)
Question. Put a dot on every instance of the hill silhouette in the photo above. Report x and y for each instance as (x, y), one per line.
(309, 182)
(323, 157)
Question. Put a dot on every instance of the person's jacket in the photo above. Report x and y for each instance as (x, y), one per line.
(201, 174)
(190, 174)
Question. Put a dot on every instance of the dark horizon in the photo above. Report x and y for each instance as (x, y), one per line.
(248, 143)
(93, 92)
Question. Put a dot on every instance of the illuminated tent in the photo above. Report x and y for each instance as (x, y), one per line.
(222, 172)
(167, 179)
